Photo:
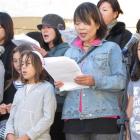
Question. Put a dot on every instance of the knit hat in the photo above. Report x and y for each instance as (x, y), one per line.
(52, 20)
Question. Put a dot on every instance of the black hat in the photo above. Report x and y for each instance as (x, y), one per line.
(52, 20)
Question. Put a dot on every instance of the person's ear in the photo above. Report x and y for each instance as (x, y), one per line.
(115, 14)
(97, 26)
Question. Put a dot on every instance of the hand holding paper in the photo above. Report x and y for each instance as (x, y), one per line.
(85, 80)
(65, 70)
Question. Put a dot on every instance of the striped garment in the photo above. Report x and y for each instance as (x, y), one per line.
(2, 129)
(18, 84)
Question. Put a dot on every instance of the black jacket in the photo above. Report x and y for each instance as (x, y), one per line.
(6, 59)
(119, 34)
(10, 92)
(8, 98)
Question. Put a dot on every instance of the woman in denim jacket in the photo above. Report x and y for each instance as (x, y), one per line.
(91, 113)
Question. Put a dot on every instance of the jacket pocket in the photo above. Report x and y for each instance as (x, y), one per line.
(101, 60)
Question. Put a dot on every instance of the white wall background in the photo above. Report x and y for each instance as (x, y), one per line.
(65, 8)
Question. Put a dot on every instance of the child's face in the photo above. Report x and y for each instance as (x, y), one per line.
(17, 61)
(48, 34)
(28, 70)
(86, 32)
(107, 12)
(2, 35)
(138, 51)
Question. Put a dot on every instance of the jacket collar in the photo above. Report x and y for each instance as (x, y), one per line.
(78, 42)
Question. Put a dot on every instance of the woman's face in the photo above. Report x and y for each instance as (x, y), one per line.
(86, 32)
(48, 34)
(107, 12)
(138, 51)
(2, 35)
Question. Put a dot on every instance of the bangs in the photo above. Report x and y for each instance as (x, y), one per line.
(28, 56)
(87, 12)
(36, 63)
(82, 15)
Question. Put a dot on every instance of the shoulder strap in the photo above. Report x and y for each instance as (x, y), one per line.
(84, 56)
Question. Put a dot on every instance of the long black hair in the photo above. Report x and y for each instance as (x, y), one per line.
(7, 23)
(58, 39)
(135, 74)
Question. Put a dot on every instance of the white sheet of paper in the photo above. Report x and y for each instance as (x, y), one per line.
(21, 38)
(64, 69)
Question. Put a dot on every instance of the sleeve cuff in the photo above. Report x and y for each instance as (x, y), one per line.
(31, 135)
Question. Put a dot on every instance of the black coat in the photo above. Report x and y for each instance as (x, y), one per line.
(6, 59)
(8, 98)
(10, 92)
(119, 34)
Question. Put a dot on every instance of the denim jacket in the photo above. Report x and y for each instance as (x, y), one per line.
(107, 68)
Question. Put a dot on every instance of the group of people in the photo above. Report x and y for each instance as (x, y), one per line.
(32, 107)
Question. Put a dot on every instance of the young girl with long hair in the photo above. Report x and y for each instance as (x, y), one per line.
(34, 105)
(133, 91)
(11, 86)
(91, 113)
